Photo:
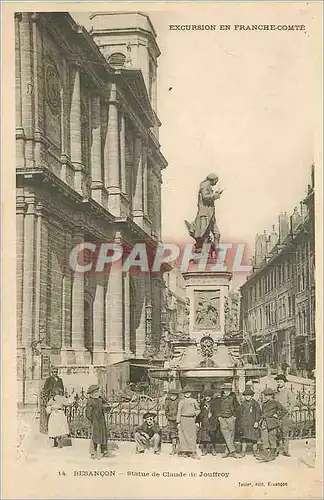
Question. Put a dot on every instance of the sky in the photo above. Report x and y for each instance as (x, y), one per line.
(243, 105)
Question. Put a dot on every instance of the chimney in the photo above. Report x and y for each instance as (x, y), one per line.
(264, 244)
(296, 219)
(273, 238)
(283, 226)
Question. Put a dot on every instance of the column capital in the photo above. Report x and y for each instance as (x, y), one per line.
(21, 207)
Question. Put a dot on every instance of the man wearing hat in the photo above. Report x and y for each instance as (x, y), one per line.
(285, 396)
(95, 413)
(229, 411)
(148, 435)
(271, 413)
(250, 414)
(171, 410)
(188, 411)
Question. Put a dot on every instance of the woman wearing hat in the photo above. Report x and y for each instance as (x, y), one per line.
(95, 413)
(188, 410)
(57, 423)
(250, 414)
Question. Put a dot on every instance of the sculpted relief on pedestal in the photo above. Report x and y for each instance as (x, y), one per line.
(207, 309)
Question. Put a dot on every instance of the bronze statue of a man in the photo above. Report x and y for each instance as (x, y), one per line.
(204, 228)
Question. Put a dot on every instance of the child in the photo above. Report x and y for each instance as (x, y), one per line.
(148, 434)
(272, 413)
(171, 410)
(188, 410)
(95, 412)
(57, 423)
(250, 415)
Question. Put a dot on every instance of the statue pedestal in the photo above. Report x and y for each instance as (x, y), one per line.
(207, 292)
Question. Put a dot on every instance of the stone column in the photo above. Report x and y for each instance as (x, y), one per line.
(29, 272)
(20, 217)
(96, 170)
(20, 136)
(144, 284)
(145, 178)
(27, 79)
(127, 305)
(28, 319)
(75, 130)
(114, 314)
(78, 309)
(111, 155)
(99, 323)
(38, 90)
(123, 152)
(38, 255)
(65, 146)
(138, 200)
(67, 351)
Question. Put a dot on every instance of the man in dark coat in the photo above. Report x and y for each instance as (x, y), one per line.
(171, 411)
(228, 413)
(148, 435)
(95, 413)
(250, 414)
(209, 425)
(52, 383)
(271, 414)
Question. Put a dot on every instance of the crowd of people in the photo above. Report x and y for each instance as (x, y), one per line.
(254, 418)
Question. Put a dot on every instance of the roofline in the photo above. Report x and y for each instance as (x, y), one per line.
(116, 12)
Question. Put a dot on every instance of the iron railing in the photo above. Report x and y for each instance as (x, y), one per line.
(125, 416)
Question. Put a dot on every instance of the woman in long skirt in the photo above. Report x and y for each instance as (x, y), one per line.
(188, 410)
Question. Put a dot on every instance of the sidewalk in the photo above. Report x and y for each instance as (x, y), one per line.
(40, 449)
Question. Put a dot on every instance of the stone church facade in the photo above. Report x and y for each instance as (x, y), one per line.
(88, 168)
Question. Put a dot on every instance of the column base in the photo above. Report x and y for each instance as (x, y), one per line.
(115, 357)
(99, 357)
(81, 356)
(99, 194)
(142, 221)
(67, 356)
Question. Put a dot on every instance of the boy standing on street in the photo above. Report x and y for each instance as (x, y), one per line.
(271, 414)
(171, 410)
(284, 396)
(95, 413)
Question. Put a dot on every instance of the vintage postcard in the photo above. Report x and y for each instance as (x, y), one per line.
(162, 250)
